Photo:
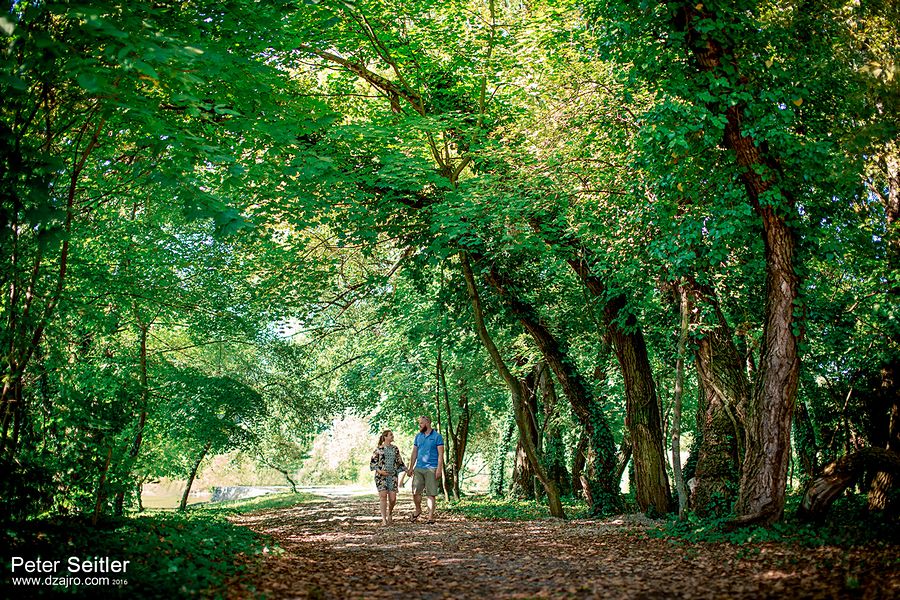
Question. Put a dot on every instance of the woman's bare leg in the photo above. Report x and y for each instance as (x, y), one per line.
(392, 500)
(383, 497)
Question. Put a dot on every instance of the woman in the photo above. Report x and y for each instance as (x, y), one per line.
(386, 462)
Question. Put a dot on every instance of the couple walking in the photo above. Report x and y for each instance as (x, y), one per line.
(426, 467)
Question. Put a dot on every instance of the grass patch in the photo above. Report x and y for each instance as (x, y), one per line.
(508, 509)
(266, 502)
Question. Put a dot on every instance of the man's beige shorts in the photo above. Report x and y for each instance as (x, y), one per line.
(424, 479)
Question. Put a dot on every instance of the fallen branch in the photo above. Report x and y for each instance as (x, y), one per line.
(841, 474)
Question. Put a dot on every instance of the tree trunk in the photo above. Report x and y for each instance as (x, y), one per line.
(498, 466)
(16, 413)
(806, 442)
(599, 488)
(289, 479)
(679, 389)
(578, 464)
(768, 424)
(190, 481)
(642, 410)
(517, 394)
(437, 407)
(841, 474)
(768, 421)
(24, 341)
(140, 494)
(725, 397)
(452, 464)
(98, 504)
(884, 482)
(461, 438)
(142, 416)
(524, 474)
(641, 400)
(554, 449)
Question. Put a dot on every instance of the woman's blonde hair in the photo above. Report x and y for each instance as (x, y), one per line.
(384, 434)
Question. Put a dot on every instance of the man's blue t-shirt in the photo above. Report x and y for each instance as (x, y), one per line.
(428, 449)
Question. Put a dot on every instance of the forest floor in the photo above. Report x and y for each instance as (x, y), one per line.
(336, 548)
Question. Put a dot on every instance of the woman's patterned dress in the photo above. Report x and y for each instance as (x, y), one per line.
(386, 458)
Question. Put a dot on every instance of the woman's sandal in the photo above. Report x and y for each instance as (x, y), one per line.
(429, 521)
(414, 518)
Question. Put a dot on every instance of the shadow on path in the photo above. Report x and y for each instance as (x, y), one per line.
(336, 548)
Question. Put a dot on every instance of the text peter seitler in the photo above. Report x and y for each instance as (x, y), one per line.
(74, 565)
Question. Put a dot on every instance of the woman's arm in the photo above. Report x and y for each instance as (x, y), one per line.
(400, 466)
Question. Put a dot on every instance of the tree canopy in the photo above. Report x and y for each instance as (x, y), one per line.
(224, 223)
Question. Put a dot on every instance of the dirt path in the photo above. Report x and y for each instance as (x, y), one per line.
(336, 548)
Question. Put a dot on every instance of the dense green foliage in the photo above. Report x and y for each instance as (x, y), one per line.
(224, 223)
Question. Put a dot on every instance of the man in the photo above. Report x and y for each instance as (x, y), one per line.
(426, 466)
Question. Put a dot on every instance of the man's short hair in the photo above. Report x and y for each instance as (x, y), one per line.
(427, 419)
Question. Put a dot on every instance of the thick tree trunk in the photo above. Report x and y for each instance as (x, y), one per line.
(192, 476)
(523, 477)
(641, 400)
(768, 418)
(725, 397)
(642, 403)
(885, 481)
(841, 474)
(642, 410)
(517, 394)
(768, 423)
(599, 487)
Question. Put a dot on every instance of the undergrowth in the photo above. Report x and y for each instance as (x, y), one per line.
(847, 524)
(170, 554)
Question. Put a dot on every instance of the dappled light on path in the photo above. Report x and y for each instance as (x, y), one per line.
(336, 548)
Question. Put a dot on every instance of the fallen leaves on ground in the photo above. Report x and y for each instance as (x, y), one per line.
(337, 549)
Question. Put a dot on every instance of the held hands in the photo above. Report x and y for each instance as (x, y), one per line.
(382, 472)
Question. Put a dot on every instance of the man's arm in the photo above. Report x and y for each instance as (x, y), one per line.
(412, 461)
(440, 468)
